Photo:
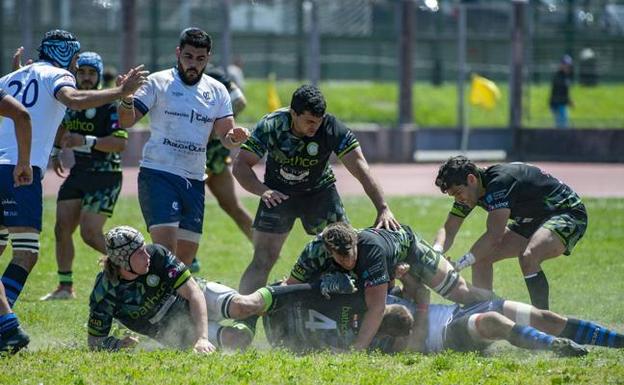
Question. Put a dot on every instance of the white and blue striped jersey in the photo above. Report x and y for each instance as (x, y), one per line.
(35, 86)
(181, 120)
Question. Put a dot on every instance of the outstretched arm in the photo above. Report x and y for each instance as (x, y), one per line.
(375, 297)
(446, 234)
(197, 304)
(355, 162)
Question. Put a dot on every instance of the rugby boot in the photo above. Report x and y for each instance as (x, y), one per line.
(14, 340)
(61, 293)
(567, 348)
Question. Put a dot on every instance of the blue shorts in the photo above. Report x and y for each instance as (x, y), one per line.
(168, 198)
(21, 206)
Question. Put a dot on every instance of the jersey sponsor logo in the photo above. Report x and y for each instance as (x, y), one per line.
(312, 148)
(499, 205)
(293, 175)
(78, 125)
(200, 117)
(173, 272)
(298, 161)
(150, 302)
(192, 147)
(377, 281)
(90, 113)
(176, 113)
(175, 205)
(152, 280)
(177, 93)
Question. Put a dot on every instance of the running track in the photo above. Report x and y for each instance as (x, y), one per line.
(588, 179)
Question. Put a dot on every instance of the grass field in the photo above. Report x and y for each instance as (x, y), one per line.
(376, 103)
(587, 284)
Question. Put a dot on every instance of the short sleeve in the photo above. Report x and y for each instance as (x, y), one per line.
(258, 142)
(145, 96)
(343, 140)
(64, 79)
(460, 210)
(225, 103)
(310, 262)
(101, 309)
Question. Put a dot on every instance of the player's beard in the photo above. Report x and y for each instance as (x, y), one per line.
(86, 85)
(185, 78)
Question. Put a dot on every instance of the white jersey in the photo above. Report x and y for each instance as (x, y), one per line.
(35, 86)
(181, 119)
(440, 316)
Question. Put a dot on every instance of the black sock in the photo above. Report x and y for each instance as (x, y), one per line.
(14, 279)
(538, 289)
(283, 294)
(590, 333)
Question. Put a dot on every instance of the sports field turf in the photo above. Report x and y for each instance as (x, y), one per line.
(587, 284)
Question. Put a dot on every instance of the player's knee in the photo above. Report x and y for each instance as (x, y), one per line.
(487, 325)
(236, 337)
(549, 317)
(264, 259)
(90, 234)
(528, 261)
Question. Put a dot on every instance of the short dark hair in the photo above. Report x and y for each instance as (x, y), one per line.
(339, 237)
(308, 98)
(397, 321)
(454, 172)
(195, 37)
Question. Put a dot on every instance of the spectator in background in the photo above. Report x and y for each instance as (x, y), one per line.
(560, 92)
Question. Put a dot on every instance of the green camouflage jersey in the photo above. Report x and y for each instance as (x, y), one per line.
(148, 305)
(299, 165)
(524, 189)
(99, 122)
(378, 252)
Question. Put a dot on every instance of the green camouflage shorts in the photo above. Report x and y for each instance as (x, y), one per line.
(569, 226)
(217, 157)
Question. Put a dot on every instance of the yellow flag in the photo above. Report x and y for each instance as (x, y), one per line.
(273, 99)
(484, 92)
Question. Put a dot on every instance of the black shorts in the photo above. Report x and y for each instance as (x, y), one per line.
(316, 211)
(569, 226)
(457, 337)
(98, 191)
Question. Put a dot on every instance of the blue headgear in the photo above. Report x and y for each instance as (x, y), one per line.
(94, 60)
(59, 47)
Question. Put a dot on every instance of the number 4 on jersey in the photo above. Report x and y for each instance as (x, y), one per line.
(318, 321)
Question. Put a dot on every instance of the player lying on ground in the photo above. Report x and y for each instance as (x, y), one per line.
(151, 292)
(371, 255)
(474, 328)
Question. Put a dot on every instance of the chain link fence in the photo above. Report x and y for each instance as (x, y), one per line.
(358, 38)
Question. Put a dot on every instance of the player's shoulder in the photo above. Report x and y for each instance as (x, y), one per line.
(278, 120)
(162, 78)
(102, 287)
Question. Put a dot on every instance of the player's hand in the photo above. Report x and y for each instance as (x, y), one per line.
(133, 80)
(17, 59)
(57, 166)
(386, 219)
(337, 283)
(128, 342)
(22, 174)
(237, 135)
(272, 198)
(401, 269)
(203, 346)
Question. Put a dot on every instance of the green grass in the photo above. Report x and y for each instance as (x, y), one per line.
(587, 284)
(376, 103)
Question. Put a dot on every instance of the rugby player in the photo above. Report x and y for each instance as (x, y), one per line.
(298, 180)
(89, 194)
(531, 215)
(151, 292)
(371, 256)
(46, 88)
(185, 106)
(12, 336)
